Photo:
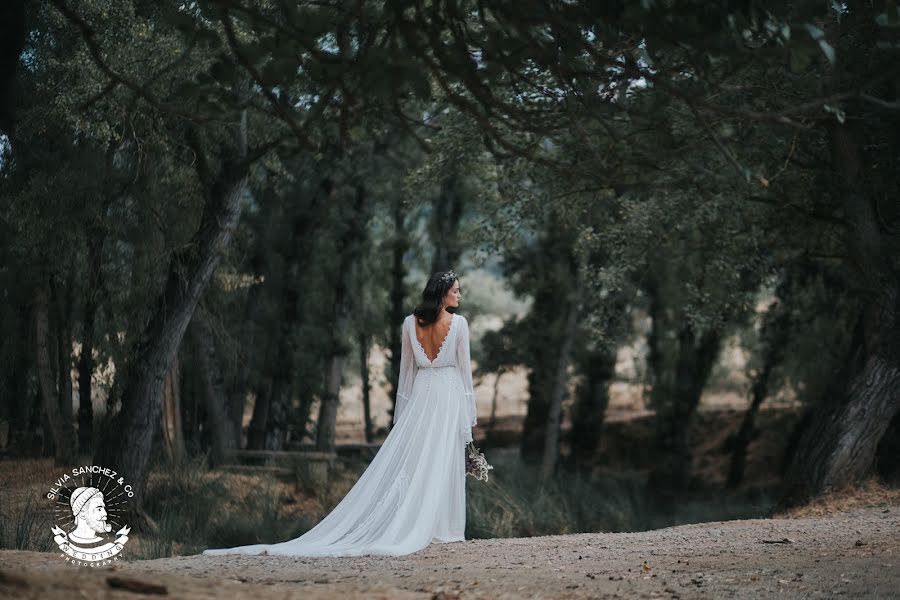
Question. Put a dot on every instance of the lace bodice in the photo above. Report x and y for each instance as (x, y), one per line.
(454, 351)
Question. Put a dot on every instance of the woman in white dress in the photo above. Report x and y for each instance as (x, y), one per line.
(413, 492)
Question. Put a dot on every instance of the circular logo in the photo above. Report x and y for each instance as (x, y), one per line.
(89, 503)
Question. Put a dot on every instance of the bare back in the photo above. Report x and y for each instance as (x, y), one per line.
(432, 337)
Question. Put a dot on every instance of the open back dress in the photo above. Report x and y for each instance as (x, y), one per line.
(413, 492)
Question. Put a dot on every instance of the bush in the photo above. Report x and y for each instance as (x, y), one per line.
(516, 503)
(24, 524)
(197, 509)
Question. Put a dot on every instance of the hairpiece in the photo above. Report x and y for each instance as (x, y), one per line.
(449, 276)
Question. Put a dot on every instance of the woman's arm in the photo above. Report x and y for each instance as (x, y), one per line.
(408, 368)
(463, 360)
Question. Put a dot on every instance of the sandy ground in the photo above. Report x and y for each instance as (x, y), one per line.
(850, 554)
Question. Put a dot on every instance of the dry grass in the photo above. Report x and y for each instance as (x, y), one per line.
(869, 493)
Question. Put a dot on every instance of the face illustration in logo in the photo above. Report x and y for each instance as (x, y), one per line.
(88, 504)
(89, 511)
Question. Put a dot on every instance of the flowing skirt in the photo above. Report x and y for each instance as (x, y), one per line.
(410, 495)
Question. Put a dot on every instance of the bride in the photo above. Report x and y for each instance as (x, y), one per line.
(413, 492)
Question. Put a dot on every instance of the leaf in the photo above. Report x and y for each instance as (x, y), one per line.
(814, 32)
(827, 50)
(819, 36)
(838, 113)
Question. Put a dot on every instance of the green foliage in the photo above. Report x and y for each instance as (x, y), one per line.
(24, 523)
(514, 502)
(681, 145)
(197, 509)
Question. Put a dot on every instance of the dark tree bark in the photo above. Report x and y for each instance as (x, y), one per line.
(61, 431)
(304, 410)
(241, 383)
(63, 309)
(399, 247)
(887, 458)
(492, 421)
(560, 382)
(680, 368)
(591, 401)
(349, 249)
(775, 333)
(218, 419)
(19, 407)
(269, 424)
(447, 210)
(838, 448)
(540, 380)
(277, 426)
(172, 430)
(364, 379)
(543, 333)
(256, 432)
(86, 360)
(126, 446)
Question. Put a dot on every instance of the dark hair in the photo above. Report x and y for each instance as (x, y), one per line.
(428, 310)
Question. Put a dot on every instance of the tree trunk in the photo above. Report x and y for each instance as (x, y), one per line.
(256, 432)
(677, 388)
(172, 432)
(350, 249)
(368, 430)
(492, 422)
(269, 425)
(62, 302)
(560, 385)
(839, 445)
(248, 361)
(398, 312)
(887, 458)
(327, 427)
(126, 446)
(591, 402)
(18, 410)
(775, 333)
(221, 429)
(447, 210)
(543, 331)
(277, 426)
(61, 431)
(86, 360)
(838, 448)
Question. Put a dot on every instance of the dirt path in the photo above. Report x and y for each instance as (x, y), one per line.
(852, 554)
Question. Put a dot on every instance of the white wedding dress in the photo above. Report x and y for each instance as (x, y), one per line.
(413, 492)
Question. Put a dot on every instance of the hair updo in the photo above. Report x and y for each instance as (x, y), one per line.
(430, 308)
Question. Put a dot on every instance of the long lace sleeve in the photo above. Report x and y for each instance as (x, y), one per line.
(408, 368)
(463, 361)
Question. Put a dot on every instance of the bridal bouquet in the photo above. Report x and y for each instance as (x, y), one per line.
(476, 465)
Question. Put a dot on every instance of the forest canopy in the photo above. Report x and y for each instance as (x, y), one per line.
(229, 198)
